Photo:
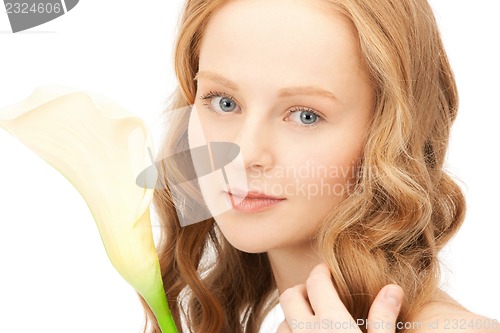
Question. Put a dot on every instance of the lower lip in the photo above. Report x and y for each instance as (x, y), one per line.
(251, 205)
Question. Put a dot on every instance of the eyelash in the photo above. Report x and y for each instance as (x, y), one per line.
(302, 109)
(212, 94)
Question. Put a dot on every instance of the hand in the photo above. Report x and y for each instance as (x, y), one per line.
(316, 307)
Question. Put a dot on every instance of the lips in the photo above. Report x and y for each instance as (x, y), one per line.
(252, 201)
(253, 195)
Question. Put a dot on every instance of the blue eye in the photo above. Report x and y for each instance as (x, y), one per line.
(308, 117)
(225, 104)
(219, 102)
(305, 117)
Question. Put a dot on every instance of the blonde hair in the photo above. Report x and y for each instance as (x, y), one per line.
(404, 207)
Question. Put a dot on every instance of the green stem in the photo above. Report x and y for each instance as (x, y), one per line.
(159, 305)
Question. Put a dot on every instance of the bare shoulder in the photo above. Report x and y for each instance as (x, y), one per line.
(446, 315)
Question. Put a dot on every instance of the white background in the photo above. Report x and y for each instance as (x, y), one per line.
(54, 273)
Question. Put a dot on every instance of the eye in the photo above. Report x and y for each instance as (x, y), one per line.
(219, 102)
(305, 117)
(225, 104)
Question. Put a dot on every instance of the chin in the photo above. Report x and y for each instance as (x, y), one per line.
(249, 240)
(250, 247)
(248, 244)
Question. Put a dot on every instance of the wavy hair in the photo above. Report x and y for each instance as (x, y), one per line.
(404, 206)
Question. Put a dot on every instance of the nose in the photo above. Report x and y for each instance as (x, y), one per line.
(256, 141)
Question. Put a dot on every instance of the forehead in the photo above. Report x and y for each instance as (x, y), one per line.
(300, 41)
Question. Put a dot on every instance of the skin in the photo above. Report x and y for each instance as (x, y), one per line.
(251, 51)
(259, 62)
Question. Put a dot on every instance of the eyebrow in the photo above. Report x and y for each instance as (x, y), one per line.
(284, 92)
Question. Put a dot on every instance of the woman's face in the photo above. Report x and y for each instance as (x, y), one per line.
(283, 80)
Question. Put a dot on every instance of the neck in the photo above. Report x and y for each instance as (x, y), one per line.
(292, 266)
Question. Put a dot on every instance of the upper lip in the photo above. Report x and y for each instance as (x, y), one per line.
(252, 194)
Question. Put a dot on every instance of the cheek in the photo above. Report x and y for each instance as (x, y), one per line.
(323, 183)
(325, 172)
(215, 127)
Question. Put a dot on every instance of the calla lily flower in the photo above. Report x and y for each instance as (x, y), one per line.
(100, 148)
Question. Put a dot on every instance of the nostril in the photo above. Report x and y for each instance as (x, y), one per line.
(255, 164)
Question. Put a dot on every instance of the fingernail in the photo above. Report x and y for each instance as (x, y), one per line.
(393, 296)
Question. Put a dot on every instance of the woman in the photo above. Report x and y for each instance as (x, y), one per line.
(359, 94)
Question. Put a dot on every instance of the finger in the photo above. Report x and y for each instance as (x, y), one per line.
(323, 296)
(284, 328)
(295, 304)
(385, 309)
